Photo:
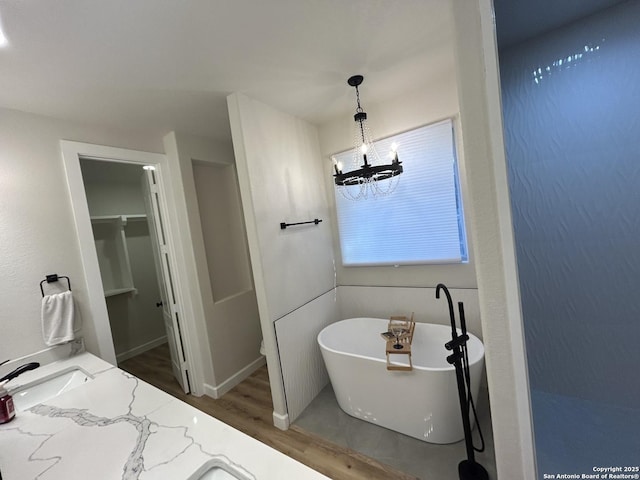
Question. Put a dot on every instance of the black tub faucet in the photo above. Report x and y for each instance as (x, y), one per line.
(452, 316)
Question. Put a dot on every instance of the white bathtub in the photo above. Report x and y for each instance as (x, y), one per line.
(422, 403)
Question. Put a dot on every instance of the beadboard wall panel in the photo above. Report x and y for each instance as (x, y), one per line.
(303, 370)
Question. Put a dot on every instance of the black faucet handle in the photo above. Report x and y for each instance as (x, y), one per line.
(19, 371)
(459, 341)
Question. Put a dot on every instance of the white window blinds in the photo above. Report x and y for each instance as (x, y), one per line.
(421, 221)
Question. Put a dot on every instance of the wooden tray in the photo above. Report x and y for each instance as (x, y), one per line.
(399, 337)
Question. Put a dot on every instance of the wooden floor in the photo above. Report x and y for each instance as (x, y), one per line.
(248, 408)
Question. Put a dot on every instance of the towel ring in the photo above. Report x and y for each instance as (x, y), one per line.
(54, 278)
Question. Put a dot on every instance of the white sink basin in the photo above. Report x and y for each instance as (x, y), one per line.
(43, 389)
(217, 470)
(216, 473)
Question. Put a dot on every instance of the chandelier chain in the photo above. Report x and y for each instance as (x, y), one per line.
(359, 109)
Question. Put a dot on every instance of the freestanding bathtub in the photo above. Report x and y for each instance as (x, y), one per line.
(422, 403)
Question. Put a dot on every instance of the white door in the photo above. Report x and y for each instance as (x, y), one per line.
(170, 308)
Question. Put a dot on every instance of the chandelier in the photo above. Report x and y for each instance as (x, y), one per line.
(373, 176)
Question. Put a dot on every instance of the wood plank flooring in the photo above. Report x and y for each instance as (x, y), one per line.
(248, 408)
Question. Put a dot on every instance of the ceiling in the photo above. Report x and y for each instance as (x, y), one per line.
(165, 65)
(162, 65)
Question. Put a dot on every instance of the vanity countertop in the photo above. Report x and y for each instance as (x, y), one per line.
(119, 427)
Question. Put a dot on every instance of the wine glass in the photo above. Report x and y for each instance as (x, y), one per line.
(398, 331)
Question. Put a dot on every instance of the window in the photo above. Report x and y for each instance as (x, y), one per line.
(422, 220)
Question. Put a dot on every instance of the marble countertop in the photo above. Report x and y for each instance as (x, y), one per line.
(118, 427)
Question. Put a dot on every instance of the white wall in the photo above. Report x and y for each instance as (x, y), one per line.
(281, 180)
(112, 188)
(383, 302)
(225, 236)
(435, 100)
(227, 310)
(37, 231)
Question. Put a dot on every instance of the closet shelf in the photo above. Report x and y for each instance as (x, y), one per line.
(119, 291)
(110, 235)
(114, 218)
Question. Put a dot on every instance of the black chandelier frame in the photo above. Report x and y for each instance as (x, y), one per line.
(367, 172)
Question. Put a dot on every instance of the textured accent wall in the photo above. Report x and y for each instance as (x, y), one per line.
(570, 102)
(572, 132)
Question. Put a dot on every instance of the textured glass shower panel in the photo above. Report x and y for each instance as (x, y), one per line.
(571, 100)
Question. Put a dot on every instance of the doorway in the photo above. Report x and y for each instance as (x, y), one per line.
(116, 224)
(127, 243)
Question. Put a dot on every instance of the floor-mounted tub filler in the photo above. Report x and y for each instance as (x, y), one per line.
(421, 403)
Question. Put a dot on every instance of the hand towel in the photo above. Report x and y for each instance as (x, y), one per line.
(57, 318)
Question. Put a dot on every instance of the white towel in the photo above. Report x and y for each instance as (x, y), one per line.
(57, 318)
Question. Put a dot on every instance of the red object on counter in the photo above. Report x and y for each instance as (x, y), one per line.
(7, 410)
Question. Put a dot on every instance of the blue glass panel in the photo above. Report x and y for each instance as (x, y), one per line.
(571, 99)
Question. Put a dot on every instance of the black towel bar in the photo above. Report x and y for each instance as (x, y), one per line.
(54, 277)
(315, 221)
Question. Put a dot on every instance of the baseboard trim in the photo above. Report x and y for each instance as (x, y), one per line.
(281, 421)
(235, 379)
(121, 357)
